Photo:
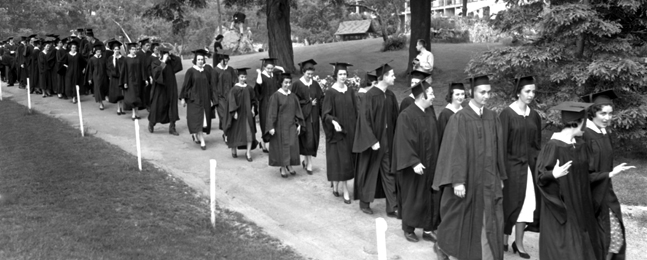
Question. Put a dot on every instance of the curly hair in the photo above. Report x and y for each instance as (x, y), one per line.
(594, 109)
(450, 94)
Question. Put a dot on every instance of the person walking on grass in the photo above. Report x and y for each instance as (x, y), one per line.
(285, 121)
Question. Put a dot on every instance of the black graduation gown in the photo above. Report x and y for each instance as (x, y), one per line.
(59, 71)
(342, 108)
(406, 102)
(375, 123)
(145, 58)
(284, 116)
(241, 100)
(309, 140)
(263, 93)
(415, 141)
(34, 72)
(22, 69)
(522, 139)
(471, 153)
(603, 196)
(46, 64)
(74, 74)
(443, 119)
(113, 69)
(132, 74)
(96, 71)
(164, 95)
(223, 81)
(196, 91)
(568, 225)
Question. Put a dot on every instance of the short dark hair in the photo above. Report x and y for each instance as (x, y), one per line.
(219, 37)
(594, 109)
(450, 94)
(421, 41)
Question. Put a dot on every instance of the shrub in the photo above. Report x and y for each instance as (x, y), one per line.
(395, 43)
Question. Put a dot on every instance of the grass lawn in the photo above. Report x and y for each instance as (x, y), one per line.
(63, 196)
(631, 186)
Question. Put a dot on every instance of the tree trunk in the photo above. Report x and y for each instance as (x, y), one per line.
(579, 45)
(219, 18)
(421, 18)
(279, 31)
(399, 23)
(385, 36)
(464, 8)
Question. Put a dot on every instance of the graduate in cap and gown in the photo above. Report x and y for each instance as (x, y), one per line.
(605, 202)
(223, 77)
(59, 68)
(470, 174)
(196, 95)
(371, 81)
(455, 97)
(22, 70)
(164, 96)
(415, 150)
(114, 65)
(416, 76)
(9, 58)
(373, 141)
(74, 65)
(96, 73)
(46, 64)
(144, 54)
(32, 63)
(339, 118)
(569, 229)
(310, 95)
(521, 127)
(240, 129)
(267, 82)
(285, 123)
(133, 80)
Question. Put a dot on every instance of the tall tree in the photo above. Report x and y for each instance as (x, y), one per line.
(464, 10)
(421, 18)
(279, 32)
(174, 11)
(579, 48)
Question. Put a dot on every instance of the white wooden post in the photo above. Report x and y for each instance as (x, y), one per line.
(28, 95)
(139, 146)
(212, 168)
(78, 102)
(380, 230)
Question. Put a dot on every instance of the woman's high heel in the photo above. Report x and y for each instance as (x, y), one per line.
(521, 254)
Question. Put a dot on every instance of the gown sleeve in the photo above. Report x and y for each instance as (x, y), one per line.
(548, 185)
(452, 166)
(364, 136)
(272, 113)
(186, 86)
(501, 150)
(405, 143)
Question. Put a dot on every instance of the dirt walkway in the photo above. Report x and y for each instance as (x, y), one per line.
(300, 210)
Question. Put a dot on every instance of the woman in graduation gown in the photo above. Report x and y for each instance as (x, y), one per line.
(241, 122)
(95, 73)
(455, 97)
(196, 95)
(339, 116)
(285, 121)
(164, 94)
(132, 79)
(224, 78)
(310, 95)
(46, 62)
(267, 82)
(74, 66)
(568, 225)
(114, 65)
(605, 202)
(522, 137)
(59, 68)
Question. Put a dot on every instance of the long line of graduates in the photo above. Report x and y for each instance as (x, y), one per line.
(467, 178)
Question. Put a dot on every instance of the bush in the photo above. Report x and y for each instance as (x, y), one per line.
(450, 36)
(464, 29)
(395, 43)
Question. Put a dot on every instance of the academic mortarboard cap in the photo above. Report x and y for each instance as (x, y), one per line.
(307, 65)
(89, 32)
(286, 75)
(99, 44)
(456, 85)
(382, 70)
(131, 45)
(521, 82)
(223, 56)
(416, 74)
(74, 42)
(114, 43)
(341, 66)
(370, 78)
(572, 111)
(32, 36)
(268, 61)
(165, 48)
(144, 41)
(80, 30)
(10, 38)
(154, 44)
(419, 88)
(52, 35)
(202, 52)
(479, 80)
(23, 38)
(242, 71)
(601, 98)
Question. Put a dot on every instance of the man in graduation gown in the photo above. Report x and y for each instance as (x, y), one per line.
(164, 97)
(21, 61)
(3, 72)
(10, 58)
(223, 79)
(470, 173)
(415, 149)
(373, 141)
(32, 64)
(144, 54)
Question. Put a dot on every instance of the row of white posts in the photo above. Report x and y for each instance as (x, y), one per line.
(380, 223)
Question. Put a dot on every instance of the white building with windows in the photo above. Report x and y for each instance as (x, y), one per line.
(448, 8)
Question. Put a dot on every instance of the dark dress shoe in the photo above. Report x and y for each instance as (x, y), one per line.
(150, 129)
(521, 254)
(282, 175)
(393, 214)
(336, 193)
(411, 237)
(309, 172)
(291, 172)
(367, 210)
(203, 147)
(195, 140)
(347, 201)
(428, 236)
(265, 150)
(249, 157)
(505, 248)
(234, 155)
(173, 132)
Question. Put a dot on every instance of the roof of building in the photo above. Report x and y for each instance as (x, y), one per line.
(355, 27)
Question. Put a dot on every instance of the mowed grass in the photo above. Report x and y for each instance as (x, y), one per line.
(63, 196)
(631, 186)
